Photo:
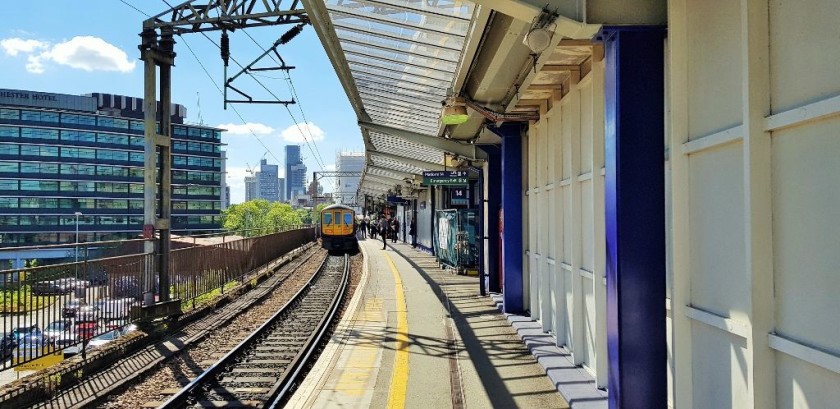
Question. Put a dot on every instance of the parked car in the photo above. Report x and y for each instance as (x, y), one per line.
(57, 329)
(23, 332)
(72, 307)
(7, 346)
(103, 339)
(87, 313)
(66, 340)
(48, 288)
(71, 284)
(110, 308)
(86, 329)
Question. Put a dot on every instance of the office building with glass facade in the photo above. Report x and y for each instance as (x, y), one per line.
(62, 154)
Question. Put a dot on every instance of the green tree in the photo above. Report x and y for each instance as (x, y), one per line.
(259, 217)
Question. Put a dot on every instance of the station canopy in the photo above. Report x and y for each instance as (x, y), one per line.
(397, 61)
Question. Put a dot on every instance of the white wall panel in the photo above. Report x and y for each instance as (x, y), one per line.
(806, 225)
(719, 366)
(587, 125)
(802, 385)
(804, 52)
(718, 283)
(714, 76)
(588, 226)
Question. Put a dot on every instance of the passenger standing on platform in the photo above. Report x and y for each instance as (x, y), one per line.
(383, 230)
(373, 225)
(395, 229)
(412, 231)
(362, 229)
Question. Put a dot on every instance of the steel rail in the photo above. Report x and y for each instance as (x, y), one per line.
(192, 389)
(279, 393)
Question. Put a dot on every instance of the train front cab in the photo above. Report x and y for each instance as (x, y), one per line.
(338, 229)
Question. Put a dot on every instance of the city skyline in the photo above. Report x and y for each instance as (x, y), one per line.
(99, 52)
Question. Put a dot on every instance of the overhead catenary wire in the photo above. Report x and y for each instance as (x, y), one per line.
(316, 154)
(312, 150)
(291, 86)
(218, 88)
(236, 111)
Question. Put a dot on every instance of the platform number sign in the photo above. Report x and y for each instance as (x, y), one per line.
(458, 195)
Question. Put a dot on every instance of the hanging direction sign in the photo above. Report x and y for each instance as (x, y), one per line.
(446, 177)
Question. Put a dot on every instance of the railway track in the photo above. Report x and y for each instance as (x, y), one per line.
(261, 369)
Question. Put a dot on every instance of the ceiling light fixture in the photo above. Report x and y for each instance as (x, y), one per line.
(542, 29)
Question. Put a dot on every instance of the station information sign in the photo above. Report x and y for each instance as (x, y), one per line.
(446, 177)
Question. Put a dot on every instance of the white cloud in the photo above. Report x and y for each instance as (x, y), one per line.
(246, 128)
(295, 133)
(82, 52)
(91, 54)
(34, 64)
(13, 46)
(330, 167)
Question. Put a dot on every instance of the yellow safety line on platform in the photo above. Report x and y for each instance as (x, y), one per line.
(399, 379)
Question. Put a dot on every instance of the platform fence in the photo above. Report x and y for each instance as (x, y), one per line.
(56, 311)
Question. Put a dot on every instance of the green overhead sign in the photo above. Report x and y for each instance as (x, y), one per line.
(446, 178)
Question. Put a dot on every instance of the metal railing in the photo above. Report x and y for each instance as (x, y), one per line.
(51, 312)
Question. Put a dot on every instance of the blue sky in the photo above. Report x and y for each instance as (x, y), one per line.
(91, 46)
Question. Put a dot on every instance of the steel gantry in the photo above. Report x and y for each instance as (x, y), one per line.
(158, 53)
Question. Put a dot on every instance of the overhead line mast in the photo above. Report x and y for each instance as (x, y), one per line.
(158, 54)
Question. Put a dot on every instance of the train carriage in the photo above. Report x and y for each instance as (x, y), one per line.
(338, 228)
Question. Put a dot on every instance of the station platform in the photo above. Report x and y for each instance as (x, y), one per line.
(417, 336)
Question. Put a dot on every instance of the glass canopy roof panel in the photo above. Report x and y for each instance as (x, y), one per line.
(405, 148)
(408, 111)
(448, 8)
(398, 166)
(402, 55)
(398, 119)
(407, 69)
(384, 41)
(375, 54)
(394, 13)
(383, 173)
(399, 86)
(397, 75)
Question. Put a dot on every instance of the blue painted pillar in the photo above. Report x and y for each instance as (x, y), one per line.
(635, 216)
(494, 204)
(511, 133)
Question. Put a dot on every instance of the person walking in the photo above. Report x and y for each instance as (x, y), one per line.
(412, 231)
(383, 230)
